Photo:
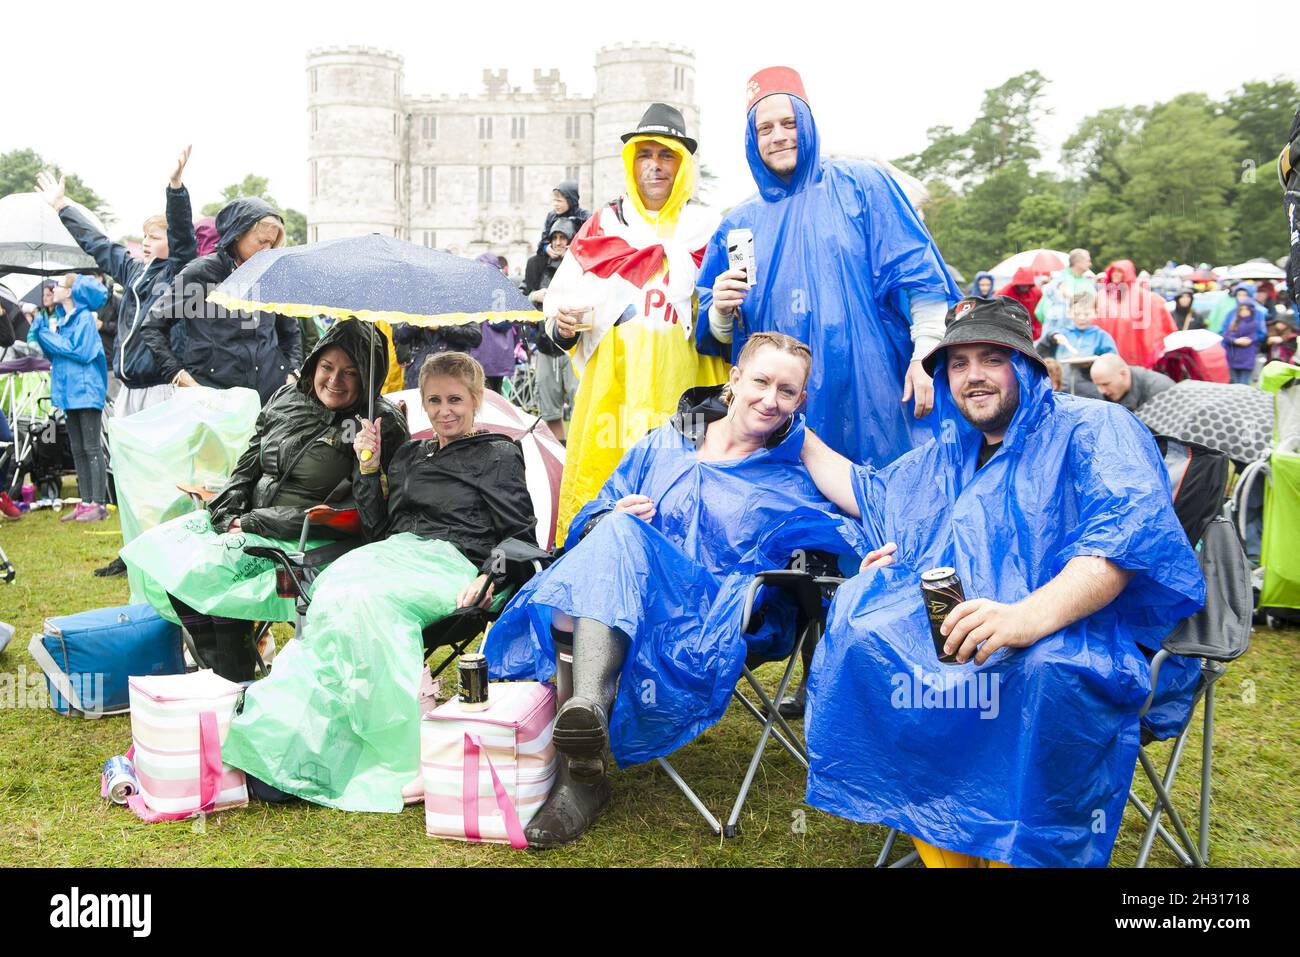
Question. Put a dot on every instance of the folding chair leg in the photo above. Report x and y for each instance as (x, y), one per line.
(1160, 830)
(790, 739)
(1207, 761)
(772, 717)
(1162, 793)
(890, 838)
(792, 747)
(1161, 801)
(690, 795)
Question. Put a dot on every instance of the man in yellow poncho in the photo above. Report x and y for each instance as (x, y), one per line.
(623, 302)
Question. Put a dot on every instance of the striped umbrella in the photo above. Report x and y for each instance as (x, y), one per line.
(543, 455)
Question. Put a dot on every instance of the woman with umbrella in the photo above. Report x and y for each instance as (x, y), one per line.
(299, 456)
(338, 722)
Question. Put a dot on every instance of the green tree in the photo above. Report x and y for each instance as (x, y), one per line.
(1261, 114)
(1003, 134)
(18, 169)
(1095, 151)
(295, 223)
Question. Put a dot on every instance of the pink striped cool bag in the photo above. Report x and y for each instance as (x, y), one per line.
(177, 725)
(486, 773)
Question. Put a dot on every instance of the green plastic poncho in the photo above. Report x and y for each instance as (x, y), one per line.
(338, 720)
(195, 438)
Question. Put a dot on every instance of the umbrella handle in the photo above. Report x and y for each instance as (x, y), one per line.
(367, 455)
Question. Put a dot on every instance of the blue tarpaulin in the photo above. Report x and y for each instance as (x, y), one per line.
(676, 585)
(1026, 759)
(839, 251)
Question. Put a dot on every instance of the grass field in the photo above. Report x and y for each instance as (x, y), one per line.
(51, 812)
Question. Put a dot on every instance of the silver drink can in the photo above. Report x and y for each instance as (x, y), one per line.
(119, 779)
(740, 253)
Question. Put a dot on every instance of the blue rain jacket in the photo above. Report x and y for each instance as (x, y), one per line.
(676, 585)
(78, 368)
(1026, 759)
(839, 250)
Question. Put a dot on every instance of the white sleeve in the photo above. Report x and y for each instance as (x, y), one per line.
(720, 325)
(928, 314)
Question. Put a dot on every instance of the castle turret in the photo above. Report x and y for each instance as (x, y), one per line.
(629, 77)
(357, 143)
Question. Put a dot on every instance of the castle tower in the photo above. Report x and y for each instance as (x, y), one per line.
(629, 77)
(357, 143)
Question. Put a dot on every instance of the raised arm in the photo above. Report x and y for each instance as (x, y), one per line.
(832, 473)
(182, 245)
(111, 257)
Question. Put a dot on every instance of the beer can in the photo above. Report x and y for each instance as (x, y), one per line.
(472, 670)
(942, 592)
(740, 253)
(119, 779)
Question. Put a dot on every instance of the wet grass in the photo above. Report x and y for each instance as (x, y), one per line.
(51, 812)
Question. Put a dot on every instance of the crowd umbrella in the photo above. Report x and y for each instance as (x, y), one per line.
(373, 278)
(33, 239)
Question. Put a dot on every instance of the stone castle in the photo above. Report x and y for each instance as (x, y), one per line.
(473, 174)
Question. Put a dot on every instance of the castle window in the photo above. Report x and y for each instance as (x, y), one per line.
(485, 127)
(485, 184)
(394, 124)
(429, 127)
(518, 127)
(571, 172)
(430, 185)
(516, 184)
(315, 121)
(313, 79)
(573, 127)
(499, 232)
(314, 234)
(429, 238)
(397, 181)
(314, 187)
(679, 77)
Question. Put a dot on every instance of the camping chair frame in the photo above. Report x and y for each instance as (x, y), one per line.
(807, 590)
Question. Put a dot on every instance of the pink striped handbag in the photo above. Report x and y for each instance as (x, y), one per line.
(177, 726)
(486, 773)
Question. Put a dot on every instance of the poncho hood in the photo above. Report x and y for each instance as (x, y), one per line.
(806, 171)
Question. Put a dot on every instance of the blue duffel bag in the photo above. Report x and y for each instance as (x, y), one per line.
(88, 657)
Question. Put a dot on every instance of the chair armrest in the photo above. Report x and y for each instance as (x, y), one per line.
(290, 563)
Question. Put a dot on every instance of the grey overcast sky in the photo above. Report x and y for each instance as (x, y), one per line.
(113, 90)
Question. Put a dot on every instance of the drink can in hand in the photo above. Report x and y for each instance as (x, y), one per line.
(740, 253)
(942, 592)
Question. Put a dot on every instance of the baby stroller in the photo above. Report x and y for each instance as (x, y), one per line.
(1278, 577)
(42, 447)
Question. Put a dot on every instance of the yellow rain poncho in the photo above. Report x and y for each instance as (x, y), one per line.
(636, 269)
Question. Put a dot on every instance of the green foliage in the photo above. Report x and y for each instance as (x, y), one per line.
(18, 169)
(295, 223)
(1189, 179)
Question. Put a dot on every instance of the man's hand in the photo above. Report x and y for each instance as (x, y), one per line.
(181, 160)
(537, 297)
(51, 190)
(470, 592)
(881, 557)
(917, 383)
(291, 378)
(729, 291)
(568, 319)
(993, 623)
(638, 506)
(184, 380)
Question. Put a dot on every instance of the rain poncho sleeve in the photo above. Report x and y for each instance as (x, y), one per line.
(1027, 758)
(841, 255)
(675, 585)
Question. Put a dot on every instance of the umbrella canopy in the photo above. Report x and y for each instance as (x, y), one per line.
(1043, 262)
(33, 240)
(543, 455)
(1257, 269)
(373, 277)
(1202, 275)
(1236, 420)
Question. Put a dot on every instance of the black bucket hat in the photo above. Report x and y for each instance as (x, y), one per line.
(663, 120)
(1000, 322)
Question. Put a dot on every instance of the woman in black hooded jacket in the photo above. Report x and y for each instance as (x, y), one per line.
(299, 455)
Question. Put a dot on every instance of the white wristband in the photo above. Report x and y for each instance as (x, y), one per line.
(720, 325)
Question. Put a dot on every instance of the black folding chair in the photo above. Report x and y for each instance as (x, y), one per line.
(809, 584)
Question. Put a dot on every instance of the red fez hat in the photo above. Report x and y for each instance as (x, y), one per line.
(774, 79)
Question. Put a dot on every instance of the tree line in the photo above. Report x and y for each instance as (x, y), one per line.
(1191, 179)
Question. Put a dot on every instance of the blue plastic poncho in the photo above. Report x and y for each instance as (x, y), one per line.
(839, 252)
(1026, 759)
(676, 585)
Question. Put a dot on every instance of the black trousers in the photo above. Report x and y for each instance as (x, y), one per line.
(224, 644)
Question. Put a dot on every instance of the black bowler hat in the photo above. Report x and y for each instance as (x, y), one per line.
(1000, 322)
(663, 120)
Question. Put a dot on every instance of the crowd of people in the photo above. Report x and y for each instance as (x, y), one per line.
(846, 398)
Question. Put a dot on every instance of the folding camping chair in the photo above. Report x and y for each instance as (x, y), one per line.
(1217, 634)
(810, 584)
(511, 564)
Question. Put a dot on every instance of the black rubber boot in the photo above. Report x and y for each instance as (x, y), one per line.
(112, 569)
(261, 791)
(569, 811)
(563, 641)
(581, 732)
